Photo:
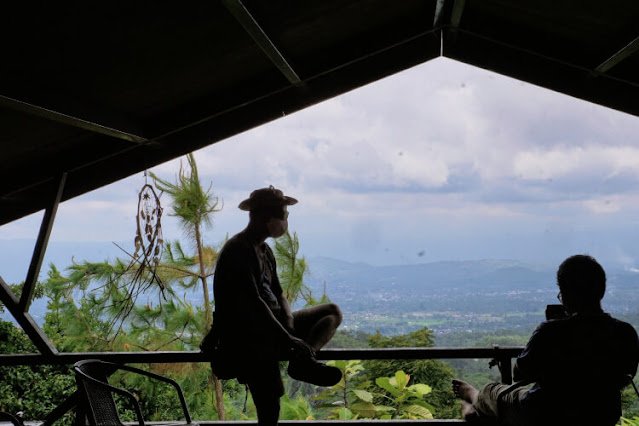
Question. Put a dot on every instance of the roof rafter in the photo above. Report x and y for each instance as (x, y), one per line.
(70, 119)
(619, 56)
(253, 28)
(448, 14)
(456, 14)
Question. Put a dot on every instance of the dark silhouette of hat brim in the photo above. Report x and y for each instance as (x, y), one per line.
(252, 203)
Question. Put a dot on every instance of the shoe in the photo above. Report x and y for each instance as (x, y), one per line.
(314, 372)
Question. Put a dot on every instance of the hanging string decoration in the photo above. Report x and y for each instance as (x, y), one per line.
(145, 259)
(148, 238)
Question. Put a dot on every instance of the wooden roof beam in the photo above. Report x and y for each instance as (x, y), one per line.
(70, 119)
(252, 27)
(619, 56)
(456, 14)
(448, 13)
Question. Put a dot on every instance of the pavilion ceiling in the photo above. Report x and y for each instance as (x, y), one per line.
(91, 92)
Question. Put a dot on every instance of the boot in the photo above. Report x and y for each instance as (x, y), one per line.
(314, 372)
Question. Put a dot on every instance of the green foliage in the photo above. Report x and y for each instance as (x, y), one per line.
(34, 390)
(349, 339)
(422, 338)
(297, 408)
(629, 422)
(91, 305)
(16, 289)
(339, 398)
(191, 203)
(434, 372)
(393, 398)
(291, 270)
(630, 402)
(403, 401)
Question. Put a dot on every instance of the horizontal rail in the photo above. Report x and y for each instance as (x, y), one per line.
(326, 354)
(436, 422)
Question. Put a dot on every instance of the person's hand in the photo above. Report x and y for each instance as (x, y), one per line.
(301, 349)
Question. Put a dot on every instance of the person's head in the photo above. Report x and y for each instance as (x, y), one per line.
(267, 209)
(582, 283)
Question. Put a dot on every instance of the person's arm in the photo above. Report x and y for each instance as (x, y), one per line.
(529, 363)
(298, 346)
(257, 308)
(632, 352)
(286, 308)
(277, 288)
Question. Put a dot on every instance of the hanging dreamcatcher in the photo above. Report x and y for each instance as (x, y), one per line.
(148, 238)
(141, 272)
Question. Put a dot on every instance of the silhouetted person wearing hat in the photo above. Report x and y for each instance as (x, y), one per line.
(577, 364)
(254, 326)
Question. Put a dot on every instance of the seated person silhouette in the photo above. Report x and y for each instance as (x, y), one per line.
(253, 325)
(577, 364)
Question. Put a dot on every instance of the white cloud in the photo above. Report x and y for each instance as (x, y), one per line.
(440, 147)
(603, 206)
(603, 161)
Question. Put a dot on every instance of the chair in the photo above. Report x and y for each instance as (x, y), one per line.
(96, 404)
(6, 417)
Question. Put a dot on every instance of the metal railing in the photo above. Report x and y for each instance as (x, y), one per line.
(500, 356)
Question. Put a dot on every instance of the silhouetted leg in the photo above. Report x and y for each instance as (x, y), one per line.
(317, 325)
(263, 379)
(267, 403)
(493, 401)
(468, 395)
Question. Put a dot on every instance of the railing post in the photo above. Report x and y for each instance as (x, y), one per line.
(503, 361)
(506, 370)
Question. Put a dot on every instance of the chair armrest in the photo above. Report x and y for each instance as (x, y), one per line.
(11, 418)
(172, 382)
(128, 395)
(631, 381)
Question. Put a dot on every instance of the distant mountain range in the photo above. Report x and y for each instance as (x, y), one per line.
(452, 294)
(485, 274)
(447, 295)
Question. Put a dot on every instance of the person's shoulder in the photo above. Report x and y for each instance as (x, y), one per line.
(553, 324)
(268, 250)
(624, 326)
(237, 245)
(550, 329)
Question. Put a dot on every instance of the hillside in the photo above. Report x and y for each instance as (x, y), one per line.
(448, 297)
(453, 295)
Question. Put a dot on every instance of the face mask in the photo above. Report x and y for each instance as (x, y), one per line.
(276, 227)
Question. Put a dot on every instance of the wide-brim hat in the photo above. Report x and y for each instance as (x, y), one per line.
(266, 197)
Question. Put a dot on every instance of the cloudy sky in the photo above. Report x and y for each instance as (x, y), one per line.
(443, 161)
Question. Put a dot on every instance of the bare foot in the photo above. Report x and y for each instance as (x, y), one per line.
(465, 391)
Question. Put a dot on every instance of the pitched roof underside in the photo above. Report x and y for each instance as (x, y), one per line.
(96, 92)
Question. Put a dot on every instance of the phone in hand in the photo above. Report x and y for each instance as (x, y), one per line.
(554, 312)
